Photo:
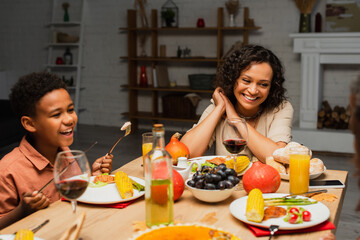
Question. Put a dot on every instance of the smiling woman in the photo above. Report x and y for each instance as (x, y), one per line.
(249, 84)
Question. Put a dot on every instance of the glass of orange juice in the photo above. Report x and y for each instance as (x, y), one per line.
(299, 170)
(147, 143)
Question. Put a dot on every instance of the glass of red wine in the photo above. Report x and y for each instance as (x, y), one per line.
(71, 175)
(235, 136)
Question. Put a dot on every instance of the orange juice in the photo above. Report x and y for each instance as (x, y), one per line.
(299, 172)
(146, 147)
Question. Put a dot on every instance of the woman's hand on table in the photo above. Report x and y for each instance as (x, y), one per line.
(102, 165)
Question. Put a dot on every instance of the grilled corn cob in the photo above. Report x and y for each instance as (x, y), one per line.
(242, 162)
(124, 185)
(24, 234)
(255, 206)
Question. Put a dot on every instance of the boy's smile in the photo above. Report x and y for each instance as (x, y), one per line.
(55, 121)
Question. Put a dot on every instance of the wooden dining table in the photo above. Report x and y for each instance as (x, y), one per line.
(113, 223)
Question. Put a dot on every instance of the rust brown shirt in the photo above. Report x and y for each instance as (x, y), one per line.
(23, 170)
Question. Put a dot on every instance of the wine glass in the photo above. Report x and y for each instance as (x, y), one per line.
(71, 174)
(234, 136)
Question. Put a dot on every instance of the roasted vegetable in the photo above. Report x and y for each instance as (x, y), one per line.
(24, 234)
(242, 162)
(137, 185)
(124, 185)
(255, 206)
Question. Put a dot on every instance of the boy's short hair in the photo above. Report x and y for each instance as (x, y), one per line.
(27, 92)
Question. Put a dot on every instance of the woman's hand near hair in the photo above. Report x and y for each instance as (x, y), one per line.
(198, 138)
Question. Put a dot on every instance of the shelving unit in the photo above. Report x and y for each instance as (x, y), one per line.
(133, 60)
(56, 49)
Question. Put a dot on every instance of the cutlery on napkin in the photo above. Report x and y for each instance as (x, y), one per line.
(73, 232)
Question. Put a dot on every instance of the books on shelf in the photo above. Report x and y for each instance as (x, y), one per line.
(162, 76)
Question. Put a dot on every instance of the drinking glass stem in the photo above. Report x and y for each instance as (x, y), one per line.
(74, 204)
(234, 157)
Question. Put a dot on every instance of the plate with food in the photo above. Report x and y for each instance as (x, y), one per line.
(317, 168)
(242, 163)
(106, 192)
(310, 214)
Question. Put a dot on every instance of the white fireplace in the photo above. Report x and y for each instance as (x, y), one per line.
(317, 49)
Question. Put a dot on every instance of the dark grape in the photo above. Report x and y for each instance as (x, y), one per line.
(210, 186)
(208, 177)
(230, 171)
(205, 168)
(199, 177)
(222, 174)
(222, 167)
(237, 180)
(216, 177)
(221, 185)
(232, 179)
(191, 183)
(200, 184)
(228, 184)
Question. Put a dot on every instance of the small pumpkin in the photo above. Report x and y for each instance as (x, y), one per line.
(263, 177)
(176, 148)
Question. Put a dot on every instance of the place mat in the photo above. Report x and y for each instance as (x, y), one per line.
(260, 232)
(111, 205)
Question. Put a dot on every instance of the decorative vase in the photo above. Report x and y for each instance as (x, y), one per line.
(305, 23)
(232, 20)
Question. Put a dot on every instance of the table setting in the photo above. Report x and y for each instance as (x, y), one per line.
(213, 197)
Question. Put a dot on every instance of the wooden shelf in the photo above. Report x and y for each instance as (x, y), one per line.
(133, 59)
(62, 66)
(63, 44)
(171, 59)
(150, 116)
(64, 24)
(182, 29)
(173, 89)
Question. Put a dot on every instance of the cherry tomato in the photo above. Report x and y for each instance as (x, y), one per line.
(293, 218)
(306, 216)
(294, 210)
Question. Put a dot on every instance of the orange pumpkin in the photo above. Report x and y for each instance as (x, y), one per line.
(263, 177)
(177, 149)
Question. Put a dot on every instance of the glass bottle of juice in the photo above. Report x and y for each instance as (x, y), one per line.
(158, 181)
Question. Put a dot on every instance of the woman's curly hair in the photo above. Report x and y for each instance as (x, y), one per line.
(27, 92)
(240, 60)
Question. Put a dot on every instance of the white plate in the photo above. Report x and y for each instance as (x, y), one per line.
(319, 213)
(204, 158)
(311, 176)
(108, 194)
(12, 236)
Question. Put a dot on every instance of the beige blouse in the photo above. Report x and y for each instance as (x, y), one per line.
(275, 124)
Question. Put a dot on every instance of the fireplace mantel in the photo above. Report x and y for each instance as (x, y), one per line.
(317, 49)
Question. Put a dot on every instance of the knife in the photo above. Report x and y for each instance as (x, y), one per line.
(34, 230)
(306, 193)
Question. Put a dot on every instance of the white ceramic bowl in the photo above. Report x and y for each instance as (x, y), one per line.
(210, 195)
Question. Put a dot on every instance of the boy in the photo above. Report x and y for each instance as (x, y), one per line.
(46, 111)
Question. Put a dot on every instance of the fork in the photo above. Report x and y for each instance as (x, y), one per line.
(127, 128)
(273, 229)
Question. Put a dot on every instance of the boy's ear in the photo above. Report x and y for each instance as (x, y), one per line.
(28, 124)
